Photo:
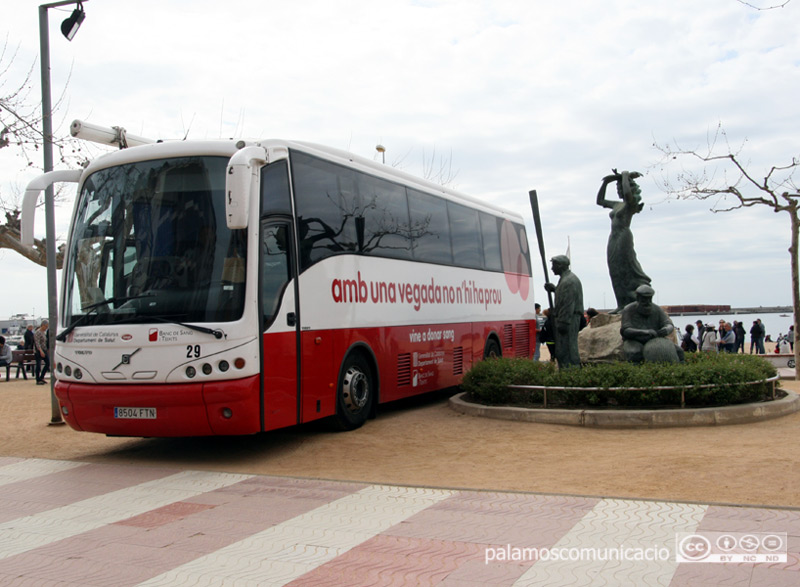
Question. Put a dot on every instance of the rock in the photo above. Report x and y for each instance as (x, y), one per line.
(601, 342)
(604, 320)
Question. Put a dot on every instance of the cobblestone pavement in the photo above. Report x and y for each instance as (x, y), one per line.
(70, 523)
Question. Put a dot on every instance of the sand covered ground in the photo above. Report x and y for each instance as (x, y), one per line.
(422, 442)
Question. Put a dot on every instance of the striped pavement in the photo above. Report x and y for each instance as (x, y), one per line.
(69, 523)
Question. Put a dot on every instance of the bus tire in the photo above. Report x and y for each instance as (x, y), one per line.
(355, 394)
(492, 350)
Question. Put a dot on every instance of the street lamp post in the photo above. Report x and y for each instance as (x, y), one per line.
(69, 28)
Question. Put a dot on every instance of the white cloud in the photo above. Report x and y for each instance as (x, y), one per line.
(524, 95)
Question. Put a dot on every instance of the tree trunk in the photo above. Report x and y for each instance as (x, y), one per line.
(10, 239)
(795, 286)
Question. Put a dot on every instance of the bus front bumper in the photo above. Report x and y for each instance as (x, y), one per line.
(161, 410)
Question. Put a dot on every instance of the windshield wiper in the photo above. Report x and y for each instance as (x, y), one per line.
(216, 332)
(91, 309)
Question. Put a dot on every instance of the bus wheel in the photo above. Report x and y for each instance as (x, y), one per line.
(355, 395)
(492, 350)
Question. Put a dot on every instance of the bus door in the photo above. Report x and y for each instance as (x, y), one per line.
(279, 383)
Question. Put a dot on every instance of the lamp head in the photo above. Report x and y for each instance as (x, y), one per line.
(71, 25)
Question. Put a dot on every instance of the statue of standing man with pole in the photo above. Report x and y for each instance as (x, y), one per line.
(567, 312)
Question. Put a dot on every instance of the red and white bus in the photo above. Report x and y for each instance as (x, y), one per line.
(224, 287)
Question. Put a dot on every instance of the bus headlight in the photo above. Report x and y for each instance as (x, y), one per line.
(191, 372)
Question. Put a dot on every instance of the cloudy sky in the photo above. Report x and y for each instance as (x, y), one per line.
(505, 95)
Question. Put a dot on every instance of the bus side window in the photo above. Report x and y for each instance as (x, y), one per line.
(275, 195)
(465, 236)
(430, 228)
(327, 205)
(274, 268)
(491, 242)
(387, 228)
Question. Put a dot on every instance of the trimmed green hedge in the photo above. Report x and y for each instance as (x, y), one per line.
(487, 382)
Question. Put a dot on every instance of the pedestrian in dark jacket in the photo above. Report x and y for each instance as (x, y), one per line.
(688, 344)
(739, 331)
(755, 333)
(28, 338)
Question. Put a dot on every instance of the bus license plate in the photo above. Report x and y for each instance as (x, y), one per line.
(135, 413)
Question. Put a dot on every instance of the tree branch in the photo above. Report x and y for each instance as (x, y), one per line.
(10, 239)
(712, 179)
(773, 7)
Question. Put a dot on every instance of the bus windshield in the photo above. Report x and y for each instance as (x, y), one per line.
(150, 242)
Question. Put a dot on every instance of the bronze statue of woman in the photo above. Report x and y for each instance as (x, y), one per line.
(623, 266)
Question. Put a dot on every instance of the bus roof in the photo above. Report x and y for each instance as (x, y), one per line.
(226, 148)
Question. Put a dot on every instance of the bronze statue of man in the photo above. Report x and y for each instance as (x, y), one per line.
(567, 312)
(645, 327)
(623, 267)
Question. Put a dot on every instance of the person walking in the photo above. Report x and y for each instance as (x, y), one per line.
(28, 338)
(548, 339)
(540, 319)
(739, 331)
(709, 340)
(727, 339)
(755, 332)
(688, 343)
(762, 333)
(700, 331)
(41, 339)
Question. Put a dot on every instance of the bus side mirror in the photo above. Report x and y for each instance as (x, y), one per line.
(31, 196)
(240, 178)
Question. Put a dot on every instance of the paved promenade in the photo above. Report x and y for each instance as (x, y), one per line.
(70, 523)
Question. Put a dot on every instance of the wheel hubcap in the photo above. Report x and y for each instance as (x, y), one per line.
(355, 390)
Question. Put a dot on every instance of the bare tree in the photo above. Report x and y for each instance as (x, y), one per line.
(21, 114)
(438, 170)
(21, 134)
(721, 174)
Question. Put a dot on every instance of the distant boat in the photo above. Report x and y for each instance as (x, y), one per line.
(784, 315)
